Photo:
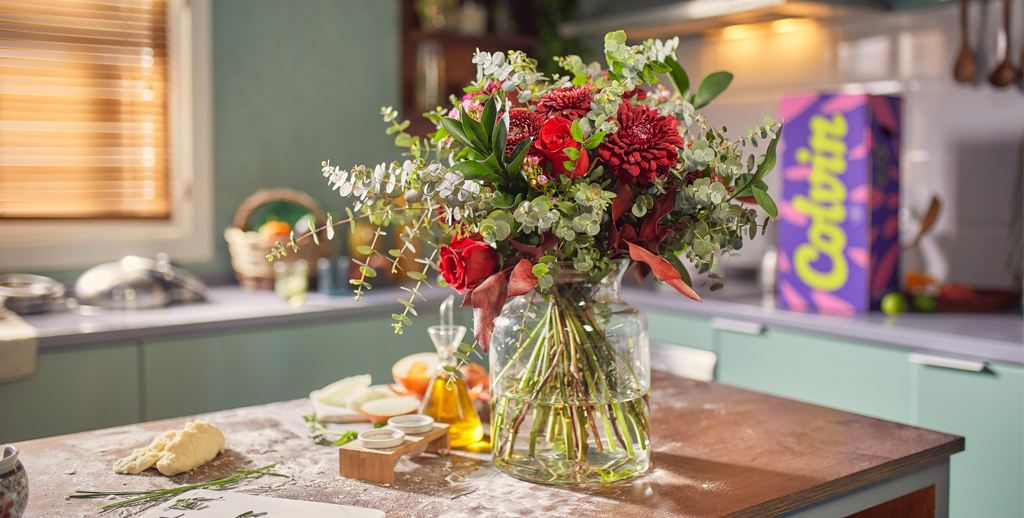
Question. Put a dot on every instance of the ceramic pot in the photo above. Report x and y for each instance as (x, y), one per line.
(13, 484)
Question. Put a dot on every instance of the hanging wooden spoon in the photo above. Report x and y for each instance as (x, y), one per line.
(929, 219)
(964, 69)
(1020, 71)
(1004, 74)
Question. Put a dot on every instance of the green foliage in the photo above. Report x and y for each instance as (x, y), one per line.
(547, 16)
(712, 86)
(460, 181)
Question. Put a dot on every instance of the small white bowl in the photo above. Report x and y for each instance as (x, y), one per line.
(412, 424)
(381, 438)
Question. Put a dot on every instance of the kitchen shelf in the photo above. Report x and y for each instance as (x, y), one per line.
(447, 57)
(501, 41)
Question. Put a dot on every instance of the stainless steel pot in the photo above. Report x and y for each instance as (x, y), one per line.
(28, 294)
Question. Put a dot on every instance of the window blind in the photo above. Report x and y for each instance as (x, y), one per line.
(83, 109)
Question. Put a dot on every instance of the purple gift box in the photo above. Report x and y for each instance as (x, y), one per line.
(838, 227)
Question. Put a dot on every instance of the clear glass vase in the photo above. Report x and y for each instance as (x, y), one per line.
(570, 375)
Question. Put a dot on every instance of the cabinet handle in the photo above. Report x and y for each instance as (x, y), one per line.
(947, 362)
(737, 326)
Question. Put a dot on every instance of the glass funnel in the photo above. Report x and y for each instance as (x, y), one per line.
(447, 398)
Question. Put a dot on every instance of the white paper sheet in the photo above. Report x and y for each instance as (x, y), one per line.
(225, 504)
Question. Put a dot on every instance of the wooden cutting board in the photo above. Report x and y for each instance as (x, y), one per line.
(225, 504)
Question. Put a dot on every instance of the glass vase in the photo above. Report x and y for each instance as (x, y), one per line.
(570, 376)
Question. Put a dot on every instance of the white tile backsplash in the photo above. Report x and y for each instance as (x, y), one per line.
(961, 143)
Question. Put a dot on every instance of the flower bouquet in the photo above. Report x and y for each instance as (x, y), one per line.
(536, 194)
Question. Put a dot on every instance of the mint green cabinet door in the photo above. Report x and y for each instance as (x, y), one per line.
(676, 329)
(987, 408)
(851, 376)
(186, 376)
(72, 391)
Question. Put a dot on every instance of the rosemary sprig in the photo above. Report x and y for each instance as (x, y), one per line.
(156, 497)
(464, 494)
(319, 433)
(191, 504)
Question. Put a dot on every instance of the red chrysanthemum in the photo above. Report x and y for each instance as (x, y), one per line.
(521, 125)
(637, 93)
(568, 103)
(644, 148)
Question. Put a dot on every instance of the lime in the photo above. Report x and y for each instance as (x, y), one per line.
(924, 303)
(894, 303)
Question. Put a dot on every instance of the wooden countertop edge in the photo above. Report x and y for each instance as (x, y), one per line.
(822, 492)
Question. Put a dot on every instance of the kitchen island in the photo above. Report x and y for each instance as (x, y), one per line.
(718, 451)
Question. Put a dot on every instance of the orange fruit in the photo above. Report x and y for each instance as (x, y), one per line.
(275, 230)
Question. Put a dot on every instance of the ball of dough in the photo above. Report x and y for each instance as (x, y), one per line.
(176, 451)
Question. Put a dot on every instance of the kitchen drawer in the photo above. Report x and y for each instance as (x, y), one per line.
(72, 391)
(676, 329)
(852, 376)
(209, 373)
(987, 408)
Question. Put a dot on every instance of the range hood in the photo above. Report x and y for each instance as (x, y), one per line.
(643, 19)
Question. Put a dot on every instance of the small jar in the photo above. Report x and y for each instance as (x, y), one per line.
(13, 484)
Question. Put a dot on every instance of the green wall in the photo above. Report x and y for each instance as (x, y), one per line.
(295, 83)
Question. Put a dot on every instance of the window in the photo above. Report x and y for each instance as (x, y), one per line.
(83, 109)
(104, 131)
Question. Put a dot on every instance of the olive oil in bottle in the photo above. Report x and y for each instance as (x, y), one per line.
(447, 398)
(447, 401)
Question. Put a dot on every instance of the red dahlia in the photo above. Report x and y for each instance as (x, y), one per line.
(637, 93)
(521, 124)
(644, 148)
(568, 103)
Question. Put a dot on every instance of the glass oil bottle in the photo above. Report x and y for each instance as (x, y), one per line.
(447, 398)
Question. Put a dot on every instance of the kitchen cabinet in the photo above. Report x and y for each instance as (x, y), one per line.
(847, 375)
(85, 388)
(185, 376)
(987, 408)
(674, 329)
(72, 391)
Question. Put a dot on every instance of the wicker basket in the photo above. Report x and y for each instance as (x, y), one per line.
(249, 252)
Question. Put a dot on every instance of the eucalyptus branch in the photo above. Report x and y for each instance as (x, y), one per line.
(774, 127)
(407, 246)
(364, 269)
(279, 251)
(420, 278)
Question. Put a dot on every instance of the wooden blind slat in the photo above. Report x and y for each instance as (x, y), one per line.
(111, 41)
(48, 9)
(83, 109)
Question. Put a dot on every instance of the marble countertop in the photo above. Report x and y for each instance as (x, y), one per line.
(991, 337)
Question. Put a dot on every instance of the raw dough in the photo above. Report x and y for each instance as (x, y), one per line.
(176, 451)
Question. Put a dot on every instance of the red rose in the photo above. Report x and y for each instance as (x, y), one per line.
(555, 136)
(467, 262)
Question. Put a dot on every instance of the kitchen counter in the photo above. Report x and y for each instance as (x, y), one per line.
(227, 308)
(718, 451)
(990, 337)
(985, 336)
